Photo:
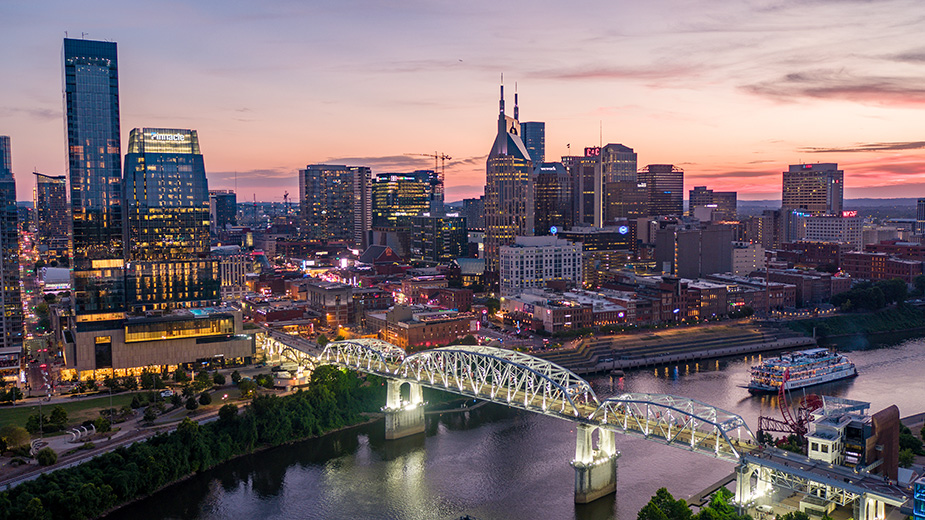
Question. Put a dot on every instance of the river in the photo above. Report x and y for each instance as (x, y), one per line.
(493, 463)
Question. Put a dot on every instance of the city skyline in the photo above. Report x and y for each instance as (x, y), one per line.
(733, 95)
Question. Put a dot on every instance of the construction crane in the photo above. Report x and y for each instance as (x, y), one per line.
(286, 202)
(440, 168)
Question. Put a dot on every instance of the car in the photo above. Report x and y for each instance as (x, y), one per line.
(166, 393)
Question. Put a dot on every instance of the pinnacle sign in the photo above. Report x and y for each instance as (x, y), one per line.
(167, 137)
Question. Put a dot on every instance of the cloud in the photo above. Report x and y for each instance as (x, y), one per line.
(869, 147)
(43, 114)
(734, 174)
(916, 56)
(593, 72)
(840, 84)
(387, 163)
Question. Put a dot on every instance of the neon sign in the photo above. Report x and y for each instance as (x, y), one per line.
(592, 151)
(849, 214)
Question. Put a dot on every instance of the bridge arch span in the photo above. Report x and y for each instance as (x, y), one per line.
(502, 376)
(677, 421)
(369, 355)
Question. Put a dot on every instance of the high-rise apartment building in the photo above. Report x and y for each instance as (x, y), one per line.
(508, 188)
(665, 184)
(223, 210)
(167, 222)
(817, 189)
(49, 198)
(399, 196)
(534, 134)
(91, 99)
(552, 191)
(336, 203)
(11, 322)
(624, 200)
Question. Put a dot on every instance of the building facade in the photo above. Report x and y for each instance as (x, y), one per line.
(534, 134)
(49, 198)
(167, 223)
(336, 203)
(223, 210)
(533, 262)
(817, 189)
(665, 186)
(845, 228)
(91, 102)
(508, 188)
(397, 197)
(552, 192)
(11, 323)
(439, 238)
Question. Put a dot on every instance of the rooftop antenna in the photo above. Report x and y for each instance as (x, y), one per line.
(516, 109)
(502, 92)
(601, 141)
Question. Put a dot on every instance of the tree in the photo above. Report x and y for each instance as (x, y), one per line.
(235, 377)
(906, 458)
(176, 400)
(203, 379)
(180, 376)
(191, 404)
(35, 422)
(227, 412)
(493, 305)
(14, 436)
(58, 417)
(919, 283)
(205, 399)
(150, 414)
(322, 340)
(663, 506)
(247, 387)
(147, 380)
(218, 379)
(102, 424)
(46, 456)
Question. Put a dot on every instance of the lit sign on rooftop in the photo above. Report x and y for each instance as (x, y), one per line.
(849, 214)
(178, 137)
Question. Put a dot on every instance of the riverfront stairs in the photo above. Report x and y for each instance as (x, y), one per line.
(600, 353)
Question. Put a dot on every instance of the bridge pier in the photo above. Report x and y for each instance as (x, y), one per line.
(403, 418)
(870, 508)
(595, 469)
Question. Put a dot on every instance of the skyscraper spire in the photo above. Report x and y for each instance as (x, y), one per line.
(502, 93)
(516, 109)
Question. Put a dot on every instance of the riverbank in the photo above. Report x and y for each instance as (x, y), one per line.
(906, 321)
(626, 351)
(335, 400)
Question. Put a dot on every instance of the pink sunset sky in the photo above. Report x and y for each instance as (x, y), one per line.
(732, 92)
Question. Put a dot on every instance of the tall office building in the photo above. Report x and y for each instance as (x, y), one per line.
(534, 134)
(167, 216)
(336, 203)
(508, 188)
(439, 238)
(49, 198)
(474, 211)
(399, 196)
(618, 163)
(11, 323)
(584, 172)
(721, 203)
(223, 209)
(91, 97)
(817, 189)
(552, 192)
(665, 184)
(624, 200)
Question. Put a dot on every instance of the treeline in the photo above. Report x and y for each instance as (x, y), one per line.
(663, 506)
(871, 296)
(335, 399)
(896, 319)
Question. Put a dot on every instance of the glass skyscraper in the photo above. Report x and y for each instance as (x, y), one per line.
(399, 196)
(665, 186)
(11, 323)
(51, 218)
(534, 134)
(167, 216)
(91, 99)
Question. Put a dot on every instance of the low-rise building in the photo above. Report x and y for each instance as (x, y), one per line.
(418, 327)
(332, 300)
(746, 257)
(880, 266)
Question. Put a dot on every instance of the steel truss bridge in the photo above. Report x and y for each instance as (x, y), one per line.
(533, 384)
